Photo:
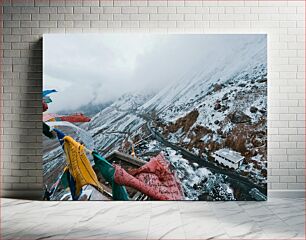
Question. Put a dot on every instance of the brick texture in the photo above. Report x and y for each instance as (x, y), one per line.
(24, 22)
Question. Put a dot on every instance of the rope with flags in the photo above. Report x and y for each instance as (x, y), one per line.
(153, 179)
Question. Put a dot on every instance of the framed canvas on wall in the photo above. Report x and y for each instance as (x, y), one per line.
(155, 116)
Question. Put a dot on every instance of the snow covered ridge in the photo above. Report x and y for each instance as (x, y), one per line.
(114, 124)
(197, 81)
(231, 113)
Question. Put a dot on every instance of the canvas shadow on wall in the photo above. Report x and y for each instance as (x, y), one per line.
(155, 116)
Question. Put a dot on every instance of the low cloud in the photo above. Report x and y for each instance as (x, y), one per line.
(101, 67)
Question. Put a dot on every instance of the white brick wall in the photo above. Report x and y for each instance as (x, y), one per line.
(24, 22)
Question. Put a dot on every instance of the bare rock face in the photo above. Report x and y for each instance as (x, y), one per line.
(217, 87)
(217, 106)
(239, 117)
(184, 122)
(257, 142)
(262, 80)
(225, 97)
(253, 109)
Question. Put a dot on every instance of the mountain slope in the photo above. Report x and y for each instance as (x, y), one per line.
(223, 106)
(197, 81)
(114, 124)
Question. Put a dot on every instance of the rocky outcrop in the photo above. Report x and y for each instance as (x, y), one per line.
(253, 109)
(184, 122)
(239, 117)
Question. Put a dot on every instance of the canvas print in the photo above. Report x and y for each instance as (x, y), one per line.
(155, 117)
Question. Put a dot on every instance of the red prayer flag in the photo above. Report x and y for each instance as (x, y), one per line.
(45, 106)
(78, 117)
(153, 179)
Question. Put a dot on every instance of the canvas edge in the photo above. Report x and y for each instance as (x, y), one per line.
(37, 194)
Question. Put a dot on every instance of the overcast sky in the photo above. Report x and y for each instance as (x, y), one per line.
(101, 67)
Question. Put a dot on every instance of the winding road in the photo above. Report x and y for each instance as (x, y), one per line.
(233, 177)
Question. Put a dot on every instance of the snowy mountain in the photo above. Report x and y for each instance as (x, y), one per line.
(89, 110)
(217, 105)
(222, 106)
(114, 124)
(194, 85)
(220, 103)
